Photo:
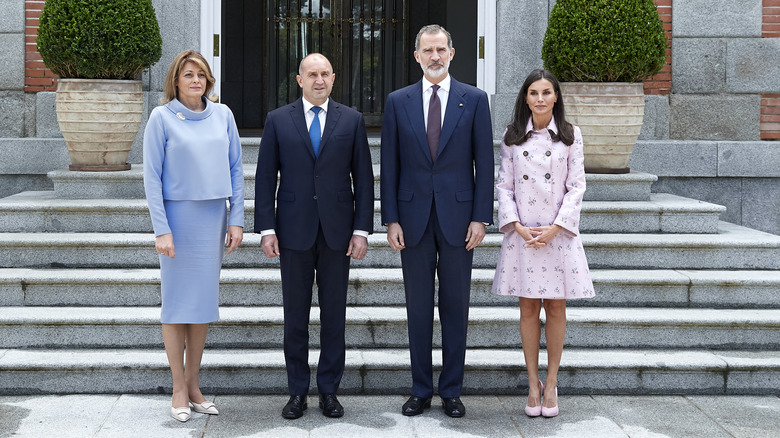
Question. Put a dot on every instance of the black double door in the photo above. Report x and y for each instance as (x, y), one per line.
(369, 43)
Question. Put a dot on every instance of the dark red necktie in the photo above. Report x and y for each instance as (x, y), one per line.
(434, 122)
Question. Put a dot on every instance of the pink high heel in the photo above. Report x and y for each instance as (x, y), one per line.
(536, 410)
(553, 411)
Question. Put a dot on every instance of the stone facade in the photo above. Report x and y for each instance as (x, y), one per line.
(722, 66)
(743, 176)
(12, 69)
(703, 138)
(30, 140)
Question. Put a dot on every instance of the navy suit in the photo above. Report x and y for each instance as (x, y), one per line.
(321, 200)
(434, 202)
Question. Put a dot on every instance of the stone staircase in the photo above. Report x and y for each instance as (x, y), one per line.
(685, 303)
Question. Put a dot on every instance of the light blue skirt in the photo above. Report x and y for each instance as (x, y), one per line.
(190, 280)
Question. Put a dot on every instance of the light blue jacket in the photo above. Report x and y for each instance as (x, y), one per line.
(192, 156)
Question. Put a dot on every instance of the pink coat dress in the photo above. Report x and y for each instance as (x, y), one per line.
(542, 182)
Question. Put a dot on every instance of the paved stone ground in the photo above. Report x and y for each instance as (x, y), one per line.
(380, 417)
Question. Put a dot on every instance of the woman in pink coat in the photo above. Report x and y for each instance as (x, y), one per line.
(540, 187)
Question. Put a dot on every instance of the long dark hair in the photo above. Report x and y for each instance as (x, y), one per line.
(515, 131)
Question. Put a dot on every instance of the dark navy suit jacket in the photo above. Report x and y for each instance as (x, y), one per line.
(334, 189)
(460, 180)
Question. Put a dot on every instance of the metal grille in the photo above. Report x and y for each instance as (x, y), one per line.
(364, 40)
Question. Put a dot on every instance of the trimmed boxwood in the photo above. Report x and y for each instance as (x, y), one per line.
(99, 39)
(604, 41)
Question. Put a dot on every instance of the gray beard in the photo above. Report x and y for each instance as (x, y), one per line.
(434, 73)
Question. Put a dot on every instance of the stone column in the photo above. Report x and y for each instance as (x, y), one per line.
(180, 30)
(12, 98)
(721, 65)
(520, 31)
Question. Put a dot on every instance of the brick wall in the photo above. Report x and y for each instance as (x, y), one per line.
(770, 103)
(770, 23)
(36, 76)
(770, 117)
(661, 83)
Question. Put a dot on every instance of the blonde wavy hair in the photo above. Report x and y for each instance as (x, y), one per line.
(169, 88)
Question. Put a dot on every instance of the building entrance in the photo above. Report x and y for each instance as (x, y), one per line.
(369, 43)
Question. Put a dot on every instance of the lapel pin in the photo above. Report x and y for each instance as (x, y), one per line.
(181, 116)
(460, 104)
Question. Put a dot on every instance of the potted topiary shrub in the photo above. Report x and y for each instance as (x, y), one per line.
(601, 51)
(99, 48)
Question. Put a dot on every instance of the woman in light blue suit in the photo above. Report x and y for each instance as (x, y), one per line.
(192, 163)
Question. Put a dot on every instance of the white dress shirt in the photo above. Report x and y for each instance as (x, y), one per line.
(443, 93)
(309, 114)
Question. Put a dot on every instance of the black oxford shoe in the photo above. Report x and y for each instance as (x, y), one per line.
(294, 407)
(330, 406)
(453, 407)
(415, 406)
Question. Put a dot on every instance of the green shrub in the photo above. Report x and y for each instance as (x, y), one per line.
(604, 41)
(99, 39)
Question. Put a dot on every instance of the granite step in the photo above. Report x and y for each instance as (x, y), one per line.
(36, 157)
(251, 147)
(378, 327)
(733, 247)
(386, 371)
(634, 186)
(42, 211)
(384, 287)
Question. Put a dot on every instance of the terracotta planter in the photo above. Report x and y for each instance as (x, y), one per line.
(99, 119)
(610, 116)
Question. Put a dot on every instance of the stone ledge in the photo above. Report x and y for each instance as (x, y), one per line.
(633, 186)
(751, 202)
(675, 157)
(38, 156)
(758, 159)
(32, 156)
(126, 184)
(698, 158)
